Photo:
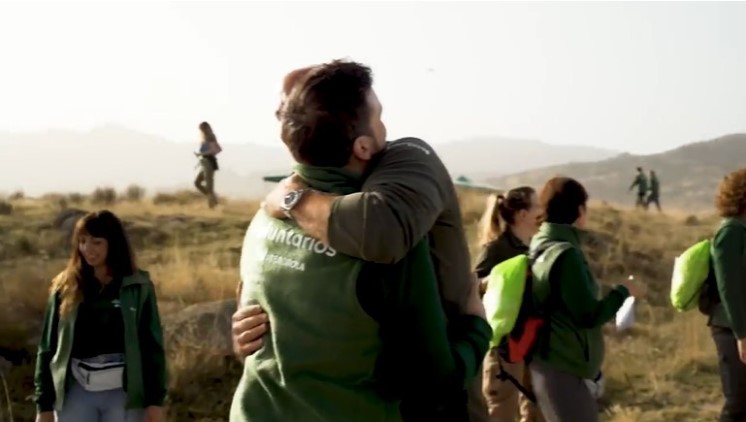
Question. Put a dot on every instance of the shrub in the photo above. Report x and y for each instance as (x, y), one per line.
(6, 208)
(181, 197)
(75, 197)
(104, 196)
(17, 195)
(134, 193)
(691, 220)
(24, 245)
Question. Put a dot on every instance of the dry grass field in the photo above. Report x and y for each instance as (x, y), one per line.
(664, 369)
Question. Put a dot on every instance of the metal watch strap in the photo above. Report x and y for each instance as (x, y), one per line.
(286, 208)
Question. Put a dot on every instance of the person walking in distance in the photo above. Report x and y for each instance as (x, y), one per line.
(655, 188)
(642, 188)
(209, 148)
(508, 223)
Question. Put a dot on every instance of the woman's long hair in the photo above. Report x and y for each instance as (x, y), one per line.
(120, 259)
(207, 133)
(501, 210)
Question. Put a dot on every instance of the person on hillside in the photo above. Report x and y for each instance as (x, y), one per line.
(207, 153)
(407, 195)
(642, 188)
(724, 295)
(101, 355)
(347, 338)
(570, 349)
(519, 213)
(654, 195)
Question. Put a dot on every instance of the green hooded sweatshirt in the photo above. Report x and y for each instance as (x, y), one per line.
(728, 253)
(573, 342)
(145, 360)
(328, 356)
(642, 184)
(655, 186)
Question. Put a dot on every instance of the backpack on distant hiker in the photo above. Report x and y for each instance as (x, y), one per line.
(516, 320)
(690, 271)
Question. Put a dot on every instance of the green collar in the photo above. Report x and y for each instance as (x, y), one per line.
(737, 220)
(138, 277)
(330, 179)
(562, 233)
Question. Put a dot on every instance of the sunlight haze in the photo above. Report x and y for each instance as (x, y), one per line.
(639, 77)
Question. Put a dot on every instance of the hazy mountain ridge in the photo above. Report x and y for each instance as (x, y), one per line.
(70, 161)
(689, 175)
(67, 161)
(488, 157)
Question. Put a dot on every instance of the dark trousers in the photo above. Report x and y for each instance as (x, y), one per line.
(466, 405)
(732, 375)
(641, 201)
(654, 199)
(562, 397)
(450, 409)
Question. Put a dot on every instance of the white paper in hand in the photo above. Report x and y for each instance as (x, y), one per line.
(625, 316)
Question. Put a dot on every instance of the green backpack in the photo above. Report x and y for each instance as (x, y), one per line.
(511, 310)
(508, 300)
(690, 271)
(503, 298)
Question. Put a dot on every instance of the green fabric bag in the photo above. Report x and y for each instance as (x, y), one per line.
(690, 270)
(504, 296)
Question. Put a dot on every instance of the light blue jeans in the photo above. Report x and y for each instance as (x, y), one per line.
(96, 406)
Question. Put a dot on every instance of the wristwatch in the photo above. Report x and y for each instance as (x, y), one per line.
(290, 200)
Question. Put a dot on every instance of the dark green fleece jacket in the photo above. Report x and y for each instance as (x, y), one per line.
(574, 341)
(729, 264)
(145, 359)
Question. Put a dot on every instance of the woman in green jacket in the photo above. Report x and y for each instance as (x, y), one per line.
(101, 355)
(570, 349)
(725, 294)
(509, 222)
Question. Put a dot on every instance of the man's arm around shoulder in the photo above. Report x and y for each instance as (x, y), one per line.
(400, 202)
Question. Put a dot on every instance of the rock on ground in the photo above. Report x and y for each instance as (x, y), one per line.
(65, 221)
(202, 326)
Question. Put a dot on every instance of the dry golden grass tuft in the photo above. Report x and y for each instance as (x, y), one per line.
(663, 369)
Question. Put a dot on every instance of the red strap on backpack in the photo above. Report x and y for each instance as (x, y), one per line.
(519, 348)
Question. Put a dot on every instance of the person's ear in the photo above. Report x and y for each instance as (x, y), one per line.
(521, 215)
(364, 148)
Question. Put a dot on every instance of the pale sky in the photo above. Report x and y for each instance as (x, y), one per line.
(641, 77)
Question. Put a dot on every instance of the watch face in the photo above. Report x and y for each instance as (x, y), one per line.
(290, 199)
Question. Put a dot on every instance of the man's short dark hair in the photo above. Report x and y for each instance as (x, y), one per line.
(561, 198)
(325, 111)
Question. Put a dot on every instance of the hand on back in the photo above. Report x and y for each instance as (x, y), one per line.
(248, 327)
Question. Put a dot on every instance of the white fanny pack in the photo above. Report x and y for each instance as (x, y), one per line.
(101, 373)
